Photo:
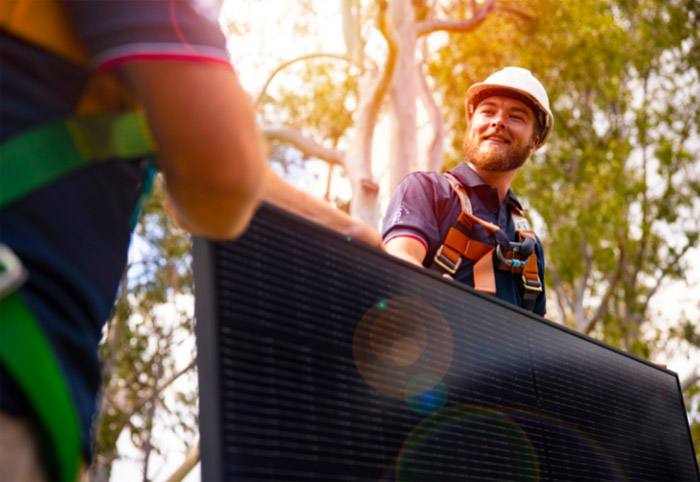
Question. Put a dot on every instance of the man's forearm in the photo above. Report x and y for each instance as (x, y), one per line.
(280, 193)
(211, 151)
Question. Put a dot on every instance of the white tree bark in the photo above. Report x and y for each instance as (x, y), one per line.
(436, 150)
(364, 203)
(304, 144)
(402, 105)
(187, 465)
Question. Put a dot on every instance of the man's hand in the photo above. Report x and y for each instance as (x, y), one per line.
(358, 229)
(282, 194)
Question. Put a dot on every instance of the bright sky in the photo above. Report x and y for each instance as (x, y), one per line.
(267, 38)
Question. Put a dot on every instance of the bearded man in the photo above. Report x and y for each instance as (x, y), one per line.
(467, 223)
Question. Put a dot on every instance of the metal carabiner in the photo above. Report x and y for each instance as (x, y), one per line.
(512, 263)
(12, 273)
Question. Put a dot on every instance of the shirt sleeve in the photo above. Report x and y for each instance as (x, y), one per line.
(118, 31)
(412, 210)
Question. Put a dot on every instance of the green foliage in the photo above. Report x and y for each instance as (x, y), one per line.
(620, 174)
(617, 184)
(151, 323)
(322, 108)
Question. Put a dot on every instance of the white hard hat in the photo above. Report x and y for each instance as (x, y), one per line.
(510, 82)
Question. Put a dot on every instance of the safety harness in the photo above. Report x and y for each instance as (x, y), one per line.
(517, 257)
(28, 162)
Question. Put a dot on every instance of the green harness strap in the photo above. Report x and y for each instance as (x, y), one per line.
(40, 156)
(27, 356)
(28, 162)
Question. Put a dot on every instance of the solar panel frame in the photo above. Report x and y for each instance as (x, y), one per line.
(237, 321)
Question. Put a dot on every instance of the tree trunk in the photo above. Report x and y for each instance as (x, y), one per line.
(363, 204)
(402, 100)
(372, 89)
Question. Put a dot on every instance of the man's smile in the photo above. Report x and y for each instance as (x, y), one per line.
(497, 138)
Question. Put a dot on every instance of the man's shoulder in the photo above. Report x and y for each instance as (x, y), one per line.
(424, 176)
(426, 182)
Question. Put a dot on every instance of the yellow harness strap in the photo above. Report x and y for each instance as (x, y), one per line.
(44, 24)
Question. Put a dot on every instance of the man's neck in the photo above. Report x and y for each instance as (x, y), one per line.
(499, 180)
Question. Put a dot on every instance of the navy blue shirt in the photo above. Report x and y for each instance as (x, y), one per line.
(73, 236)
(424, 207)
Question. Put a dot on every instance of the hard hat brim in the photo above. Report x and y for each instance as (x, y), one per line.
(480, 91)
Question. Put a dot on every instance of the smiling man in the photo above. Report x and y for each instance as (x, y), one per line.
(467, 223)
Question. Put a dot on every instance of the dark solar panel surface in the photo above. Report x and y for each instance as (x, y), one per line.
(322, 359)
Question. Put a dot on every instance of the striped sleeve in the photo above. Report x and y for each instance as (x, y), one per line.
(119, 31)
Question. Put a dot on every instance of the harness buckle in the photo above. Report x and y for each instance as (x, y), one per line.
(12, 273)
(445, 263)
(512, 263)
(532, 285)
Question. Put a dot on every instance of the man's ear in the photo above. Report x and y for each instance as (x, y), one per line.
(535, 143)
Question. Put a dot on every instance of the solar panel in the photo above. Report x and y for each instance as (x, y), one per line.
(321, 358)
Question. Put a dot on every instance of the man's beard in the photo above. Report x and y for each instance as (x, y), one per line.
(492, 160)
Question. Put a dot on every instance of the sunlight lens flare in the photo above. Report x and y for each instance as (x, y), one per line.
(402, 348)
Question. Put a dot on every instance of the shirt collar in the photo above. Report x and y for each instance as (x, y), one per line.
(471, 179)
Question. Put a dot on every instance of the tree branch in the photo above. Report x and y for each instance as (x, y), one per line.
(304, 144)
(580, 317)
(690, 382)
(127, 412)
(461, 25)
(187, 465)
(351, 29)
(435, 152)
(162, 386)
(612, 283)
(562, 299)
(514, 11)
(299, 59)
(665, 272)
(561, 122)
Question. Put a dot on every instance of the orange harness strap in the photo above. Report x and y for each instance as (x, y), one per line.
(459, 244)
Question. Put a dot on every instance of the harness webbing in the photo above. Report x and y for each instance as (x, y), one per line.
(27, 356)
(28, 162)
(40, 156)
(458, 244)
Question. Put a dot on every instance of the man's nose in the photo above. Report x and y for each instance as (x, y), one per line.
(498, 120)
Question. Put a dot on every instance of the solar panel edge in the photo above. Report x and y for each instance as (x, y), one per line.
(207, 359)
(267, 209)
